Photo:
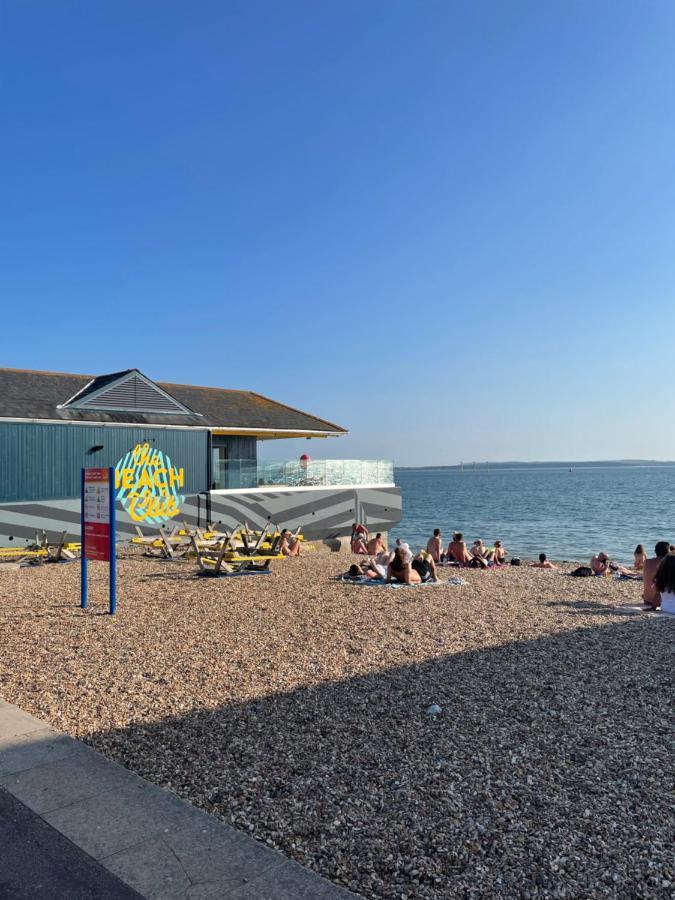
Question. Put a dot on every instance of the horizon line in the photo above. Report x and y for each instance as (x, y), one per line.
(540, 462)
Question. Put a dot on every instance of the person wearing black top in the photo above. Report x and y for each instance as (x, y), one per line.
(425, 567)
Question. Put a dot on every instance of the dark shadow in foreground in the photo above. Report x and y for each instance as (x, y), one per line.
(548, 773)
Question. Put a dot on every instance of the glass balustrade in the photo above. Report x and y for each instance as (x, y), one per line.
(234, 474)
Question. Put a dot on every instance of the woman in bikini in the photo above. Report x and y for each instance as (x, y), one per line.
(639, 557)
(401, 570)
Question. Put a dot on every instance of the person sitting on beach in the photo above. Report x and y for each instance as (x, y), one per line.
(600, 564)
(359, 538)
(664, 582)
(639, 558)
(376, 545)
(289, 545)
(425, 566)
(499, 554)
(650, 593)
(359, 546)
(543, 563)
(435, 545)
(400, 569)
(360, 531)
(480, 554)
(458, 550)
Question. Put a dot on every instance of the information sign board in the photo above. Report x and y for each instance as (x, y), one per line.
(96, 519)
(98, 528)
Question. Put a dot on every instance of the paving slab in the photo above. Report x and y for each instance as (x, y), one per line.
(14, 721)
(153, 869)
(116, 820)
(215, 852)
(34, 749)
(53, 785)
(38, 863)
(151, 841)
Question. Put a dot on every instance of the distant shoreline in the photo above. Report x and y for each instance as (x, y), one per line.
(571, 464)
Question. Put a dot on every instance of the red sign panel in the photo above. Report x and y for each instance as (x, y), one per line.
(96, 525)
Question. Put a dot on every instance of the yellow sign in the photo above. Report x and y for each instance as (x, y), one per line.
(147, 485)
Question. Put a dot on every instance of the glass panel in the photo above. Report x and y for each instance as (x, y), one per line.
(232, 474)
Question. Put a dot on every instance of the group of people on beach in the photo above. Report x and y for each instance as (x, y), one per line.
(400, 565)
(657, 572)
(382, 564)
(458, 553)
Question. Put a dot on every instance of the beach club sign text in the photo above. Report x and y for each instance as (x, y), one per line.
(148, 485)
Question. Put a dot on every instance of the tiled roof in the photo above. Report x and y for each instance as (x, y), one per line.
(28, 394)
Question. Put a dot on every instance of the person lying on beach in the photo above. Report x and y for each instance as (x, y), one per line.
(480, 553)
(664, 582)
(499, 554)
(376, 545)
(400, 569)
(650, 592)
(435, 545)
(369, 568)
(639, 558)
(543, 563)
(458, 550)
(425, 566)
(600, 564)
(289, 545)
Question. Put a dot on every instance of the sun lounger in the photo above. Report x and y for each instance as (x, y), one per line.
(224, 560)
(61, 551)
(166, 546)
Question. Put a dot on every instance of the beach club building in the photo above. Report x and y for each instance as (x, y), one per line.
(181, 453)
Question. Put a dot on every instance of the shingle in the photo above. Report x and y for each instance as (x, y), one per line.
(28, 394)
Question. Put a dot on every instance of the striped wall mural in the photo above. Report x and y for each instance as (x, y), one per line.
(321, 513)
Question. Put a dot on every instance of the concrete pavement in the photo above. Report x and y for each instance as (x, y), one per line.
(88, 818)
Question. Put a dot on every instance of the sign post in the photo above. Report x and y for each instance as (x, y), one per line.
(98, 528)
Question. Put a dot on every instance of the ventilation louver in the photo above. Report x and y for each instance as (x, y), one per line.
(133, 393)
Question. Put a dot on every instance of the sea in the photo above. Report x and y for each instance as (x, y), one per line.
(569, 512)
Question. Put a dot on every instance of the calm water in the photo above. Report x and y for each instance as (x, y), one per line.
(568, 515)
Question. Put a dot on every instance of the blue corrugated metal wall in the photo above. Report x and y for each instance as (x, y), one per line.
(43, 461)
(238, 446)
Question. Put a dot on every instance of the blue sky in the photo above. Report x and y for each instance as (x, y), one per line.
(448, 226)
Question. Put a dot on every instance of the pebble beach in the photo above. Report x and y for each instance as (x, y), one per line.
(297, 708)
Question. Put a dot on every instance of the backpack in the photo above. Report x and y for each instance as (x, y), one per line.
(515, 561)
(582, 572)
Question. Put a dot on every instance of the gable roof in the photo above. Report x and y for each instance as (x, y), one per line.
(29, 394)
(127, 391)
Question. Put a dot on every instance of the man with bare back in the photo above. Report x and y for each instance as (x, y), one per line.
(458, 550)
(650, 593)
(435, 545)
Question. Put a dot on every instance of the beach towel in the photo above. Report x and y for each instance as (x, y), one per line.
(372, 582)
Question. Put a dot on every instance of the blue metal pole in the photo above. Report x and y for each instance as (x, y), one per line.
(83, 558)
(113, 538)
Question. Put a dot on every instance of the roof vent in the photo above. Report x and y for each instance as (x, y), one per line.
(129, 392)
